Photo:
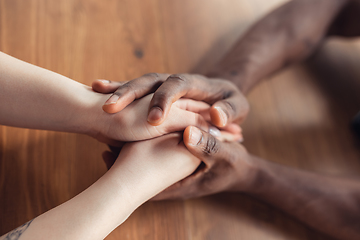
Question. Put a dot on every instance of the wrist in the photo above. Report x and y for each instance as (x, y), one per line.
(91, 118)
(249, 174)
(260, 176)
(242, 74)
(138, 184)
(124, 187)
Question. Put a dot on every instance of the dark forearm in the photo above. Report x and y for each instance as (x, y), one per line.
(328, 204)
(288, 34)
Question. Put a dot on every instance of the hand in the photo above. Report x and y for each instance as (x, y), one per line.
(228, 103)
(130, 124)
(151, 166)
(226, 166)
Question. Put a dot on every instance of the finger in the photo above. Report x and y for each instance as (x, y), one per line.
(230, 137)
(132, 90)
(203, 145)
(180, 119)
(105, 86)
(109, 159)
(232, 128)
(199, 107)
(192, 105)
(198, 87)
(175, 87)
(232, 109)
(203, 109)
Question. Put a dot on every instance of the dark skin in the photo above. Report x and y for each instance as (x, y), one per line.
(228, 103)
(288, 34)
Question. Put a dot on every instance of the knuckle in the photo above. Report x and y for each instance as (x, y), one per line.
(230, 106)
(160, 97)
(128, 86)
(181, 78)
(154, 78)
(211, 146)
(152, 75)
(227, 87)
(118, 93)
(150, 81)
(226, 94)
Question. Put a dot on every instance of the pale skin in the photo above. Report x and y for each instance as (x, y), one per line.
(142, 170)
(247, 64)
(33, 97)
(41, 99)
(288, 34)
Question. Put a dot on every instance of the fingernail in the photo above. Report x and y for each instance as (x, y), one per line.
(155, 115)
(214, 131)
(112, 100)
(222, 115)
(195, 136)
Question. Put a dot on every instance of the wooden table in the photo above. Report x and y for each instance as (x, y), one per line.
(298, 118)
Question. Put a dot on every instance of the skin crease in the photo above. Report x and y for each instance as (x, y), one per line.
(288, 34)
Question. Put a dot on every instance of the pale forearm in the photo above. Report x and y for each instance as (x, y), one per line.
(142, 170)
(288, 34)
(328, 204)
(92, 214)
(33, 97)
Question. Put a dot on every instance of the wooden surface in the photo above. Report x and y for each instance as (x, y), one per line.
(298, 118)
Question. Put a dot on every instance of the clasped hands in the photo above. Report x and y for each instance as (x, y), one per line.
(154, 108)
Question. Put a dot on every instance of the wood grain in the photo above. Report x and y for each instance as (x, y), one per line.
(297, 118)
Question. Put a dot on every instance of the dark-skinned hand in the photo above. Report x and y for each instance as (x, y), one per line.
(226, 166)
(228, 104)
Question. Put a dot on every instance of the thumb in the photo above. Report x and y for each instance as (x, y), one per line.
(202, 144)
